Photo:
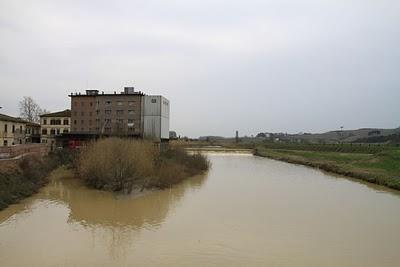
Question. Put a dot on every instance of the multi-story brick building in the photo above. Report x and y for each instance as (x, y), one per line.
(108, 114)
(128, 113)
(53, 125)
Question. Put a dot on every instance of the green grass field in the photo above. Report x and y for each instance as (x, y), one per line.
(381, 167)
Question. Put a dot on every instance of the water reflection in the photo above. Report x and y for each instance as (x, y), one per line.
(92, 207)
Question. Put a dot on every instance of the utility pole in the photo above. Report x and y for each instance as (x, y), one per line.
(237, 136)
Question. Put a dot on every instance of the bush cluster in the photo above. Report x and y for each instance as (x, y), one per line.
(22, 178)
(117, 164)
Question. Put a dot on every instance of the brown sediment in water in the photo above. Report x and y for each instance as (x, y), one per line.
(246, 211)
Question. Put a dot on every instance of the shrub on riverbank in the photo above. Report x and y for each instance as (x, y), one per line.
(22, 178)
(175, 164)
(116, 164)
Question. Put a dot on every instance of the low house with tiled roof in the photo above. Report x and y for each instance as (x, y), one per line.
(12, 130)
(53, 125)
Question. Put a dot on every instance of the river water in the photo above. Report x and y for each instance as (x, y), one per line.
(246, 211)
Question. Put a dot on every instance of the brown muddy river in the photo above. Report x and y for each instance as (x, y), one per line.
(247, 211)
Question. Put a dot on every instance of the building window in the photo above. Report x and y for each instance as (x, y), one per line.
(120, 112)
(154, 100)
(44, 122)
(5, 143)
(44, 131)
(131, 112)
(120, 121)
(107, 129)
(108, 103)
(66, 122)
(13, 128)
(106, 121)
(52, 131)
(91, 104)
(5, 128)
(65, 131)
(107, 111)
(131, 103)
(20, 128)
(120, 103)
(55, 122)
(97, 112)
(74, 121)
(130, 121)
(97, 120)
(58, 131)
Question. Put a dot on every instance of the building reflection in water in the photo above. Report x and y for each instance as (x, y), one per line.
(114, 218)
(96, 220)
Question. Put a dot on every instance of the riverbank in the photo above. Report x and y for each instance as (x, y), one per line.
(23, 177)
(381, 168)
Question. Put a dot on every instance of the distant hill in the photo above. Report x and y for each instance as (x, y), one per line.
(350, 136)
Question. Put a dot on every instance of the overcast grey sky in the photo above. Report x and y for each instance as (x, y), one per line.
(290, 66)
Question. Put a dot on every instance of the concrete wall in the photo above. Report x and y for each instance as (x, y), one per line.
(17, 150)
(156, 117)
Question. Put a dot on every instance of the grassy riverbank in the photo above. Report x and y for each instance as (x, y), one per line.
(24, 177)
(381, 167)
(115, 164)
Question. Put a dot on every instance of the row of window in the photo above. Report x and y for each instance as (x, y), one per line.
(12, 129)
(53, 131)
(108, 103)
(5, 142)
(119, 121)
(108, 129)
(56, 122)
(119, 112)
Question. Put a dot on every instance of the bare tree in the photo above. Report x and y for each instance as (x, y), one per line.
(30, 110)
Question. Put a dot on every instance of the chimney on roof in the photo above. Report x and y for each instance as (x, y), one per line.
(92, 92)
(129, 90)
